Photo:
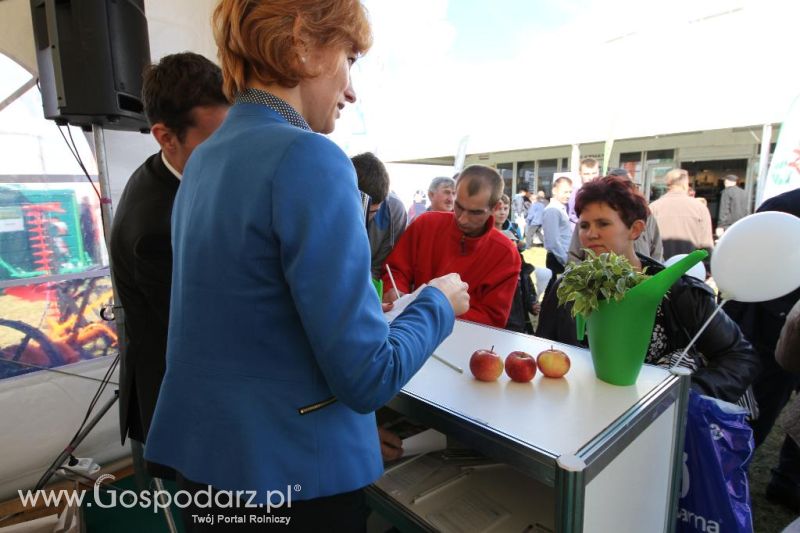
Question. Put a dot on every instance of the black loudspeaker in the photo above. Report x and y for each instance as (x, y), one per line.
(91, 55)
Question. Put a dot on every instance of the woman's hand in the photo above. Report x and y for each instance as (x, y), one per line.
(390, 296)
(455, 290)
(391, 445)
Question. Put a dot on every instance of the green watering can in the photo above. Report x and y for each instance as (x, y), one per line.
(378, 284)
(620, 332)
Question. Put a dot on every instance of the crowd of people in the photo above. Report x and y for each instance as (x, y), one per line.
(244, 190)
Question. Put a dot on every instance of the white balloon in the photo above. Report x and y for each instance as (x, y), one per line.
(543, 276)
(758, 258)
(698, 271)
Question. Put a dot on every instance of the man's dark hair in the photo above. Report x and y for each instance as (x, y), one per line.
(372, 176)
(523, 187)
(620, 172)
(177, 84)
(479, 176)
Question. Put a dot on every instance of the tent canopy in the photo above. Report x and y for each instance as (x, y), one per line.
(612, 69)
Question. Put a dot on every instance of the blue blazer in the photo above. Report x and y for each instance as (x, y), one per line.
(272, 310)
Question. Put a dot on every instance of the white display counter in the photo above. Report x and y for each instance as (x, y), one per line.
(576, 454)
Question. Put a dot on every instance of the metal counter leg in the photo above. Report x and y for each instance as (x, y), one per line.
(570, 491)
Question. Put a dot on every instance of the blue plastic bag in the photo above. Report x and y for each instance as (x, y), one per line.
(715, 495)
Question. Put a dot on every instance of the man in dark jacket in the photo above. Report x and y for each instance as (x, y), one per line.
(732, 204)
(184, 104)
(761, 322)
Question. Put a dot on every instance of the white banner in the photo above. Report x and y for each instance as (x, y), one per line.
(784, 170)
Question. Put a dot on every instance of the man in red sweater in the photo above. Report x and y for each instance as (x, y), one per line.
(465, 242)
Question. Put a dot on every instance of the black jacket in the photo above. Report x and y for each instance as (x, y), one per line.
(732, 364)
(141, 265)
(523, 302)
(761, 322)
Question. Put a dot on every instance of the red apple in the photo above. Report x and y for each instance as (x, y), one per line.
(486, 365)
(520, 367)
(553, 363)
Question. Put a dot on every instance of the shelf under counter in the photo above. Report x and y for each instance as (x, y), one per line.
(578, 435)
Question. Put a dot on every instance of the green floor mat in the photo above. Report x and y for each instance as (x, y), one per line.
(119, 519)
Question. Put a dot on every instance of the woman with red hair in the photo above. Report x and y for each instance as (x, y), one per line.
(278, 352)
(612, 214)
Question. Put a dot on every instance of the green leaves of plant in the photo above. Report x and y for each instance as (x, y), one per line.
(600, 277)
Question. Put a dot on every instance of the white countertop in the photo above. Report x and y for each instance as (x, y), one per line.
(557, 415)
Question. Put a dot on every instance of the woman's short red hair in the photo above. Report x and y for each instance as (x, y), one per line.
(258, 38)
(618, 193)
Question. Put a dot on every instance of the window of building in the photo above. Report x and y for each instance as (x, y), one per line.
(658, 163)
(547, 167)
(771, 148)
(632, 162)
(526, 173)
(706, 177)
(506, 171)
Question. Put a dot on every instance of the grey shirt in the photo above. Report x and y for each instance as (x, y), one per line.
(557, 230)
(518, 205)
(384, 230)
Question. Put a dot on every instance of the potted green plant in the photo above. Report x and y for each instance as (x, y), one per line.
(598, 278)
(617, 305)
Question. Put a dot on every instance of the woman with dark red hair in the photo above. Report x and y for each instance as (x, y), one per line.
(612, 214)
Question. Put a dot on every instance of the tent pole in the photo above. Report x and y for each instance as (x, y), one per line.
(763, 164)
(107, 214)
(102, 176)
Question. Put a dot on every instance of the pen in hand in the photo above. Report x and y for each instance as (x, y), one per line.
(391, 279)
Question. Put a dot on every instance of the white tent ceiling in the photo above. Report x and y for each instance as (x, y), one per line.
(174, 26)
(628, 69)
